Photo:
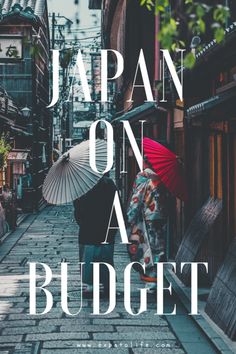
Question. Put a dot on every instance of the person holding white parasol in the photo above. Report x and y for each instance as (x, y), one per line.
(72, 179)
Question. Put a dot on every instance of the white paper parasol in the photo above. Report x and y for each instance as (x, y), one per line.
(71, 176)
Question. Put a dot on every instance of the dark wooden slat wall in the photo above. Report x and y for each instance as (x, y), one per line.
(196, 234)
(221, 303)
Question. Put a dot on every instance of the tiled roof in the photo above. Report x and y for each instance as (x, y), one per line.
(212, 102)
(208, 48)
(38, 6)
(136, 112)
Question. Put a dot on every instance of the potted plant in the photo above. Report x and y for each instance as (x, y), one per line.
(5, 148)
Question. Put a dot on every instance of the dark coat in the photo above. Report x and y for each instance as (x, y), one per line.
(93, 211)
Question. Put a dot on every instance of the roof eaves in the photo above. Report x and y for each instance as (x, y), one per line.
(145, 108)
(229, 32)
(212, 102)
(18, 11)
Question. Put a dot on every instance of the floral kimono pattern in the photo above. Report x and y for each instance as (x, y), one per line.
(147, 219)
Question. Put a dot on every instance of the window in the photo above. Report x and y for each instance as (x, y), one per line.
(216, 165)
(2, 177)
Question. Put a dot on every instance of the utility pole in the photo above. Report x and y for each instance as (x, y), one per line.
(53, 29)
(54, 43)
(53, 47)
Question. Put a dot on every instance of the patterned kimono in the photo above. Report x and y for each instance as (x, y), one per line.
(147, 219)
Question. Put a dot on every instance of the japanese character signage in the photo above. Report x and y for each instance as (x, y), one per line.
(10, 48)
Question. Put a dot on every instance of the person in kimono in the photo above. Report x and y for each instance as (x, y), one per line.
(147, 218)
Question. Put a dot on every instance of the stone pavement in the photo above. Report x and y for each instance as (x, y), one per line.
(48, 237)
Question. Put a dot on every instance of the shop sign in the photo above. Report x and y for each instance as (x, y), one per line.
(10, 48)
(19, 156)
(178, 118)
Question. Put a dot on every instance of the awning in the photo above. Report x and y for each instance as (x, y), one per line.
(15, 129)
(20, 131)
(18, 156)
(211, 103)
(6, 120)
(139, 112)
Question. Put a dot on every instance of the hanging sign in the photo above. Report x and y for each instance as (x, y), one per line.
(10, 48)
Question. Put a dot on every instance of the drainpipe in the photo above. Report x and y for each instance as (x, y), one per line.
(169, 127)
(157, 57)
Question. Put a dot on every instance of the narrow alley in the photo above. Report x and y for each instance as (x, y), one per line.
(49, 237)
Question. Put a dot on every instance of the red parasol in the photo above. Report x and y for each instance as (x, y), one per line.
(168, 167)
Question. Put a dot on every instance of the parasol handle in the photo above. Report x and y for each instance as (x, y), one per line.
(66, 157)
(180, 160)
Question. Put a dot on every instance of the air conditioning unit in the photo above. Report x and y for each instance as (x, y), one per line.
(95, 4)
(68, 143)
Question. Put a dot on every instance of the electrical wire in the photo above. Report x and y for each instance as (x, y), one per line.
(81, 30)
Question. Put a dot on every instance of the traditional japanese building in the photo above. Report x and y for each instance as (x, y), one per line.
(15, 162)
(210, 161)
(201, 130)
(128, 28)
(24, 73)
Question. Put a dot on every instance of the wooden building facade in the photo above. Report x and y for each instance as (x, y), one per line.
(201, 130)
(205, 228)
(24, 73)
(206, 140)
(128, 28)
(14, 168)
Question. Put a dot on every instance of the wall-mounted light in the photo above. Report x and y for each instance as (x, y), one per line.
(26, 112)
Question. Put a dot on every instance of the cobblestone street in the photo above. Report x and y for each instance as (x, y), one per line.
(49, 237)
